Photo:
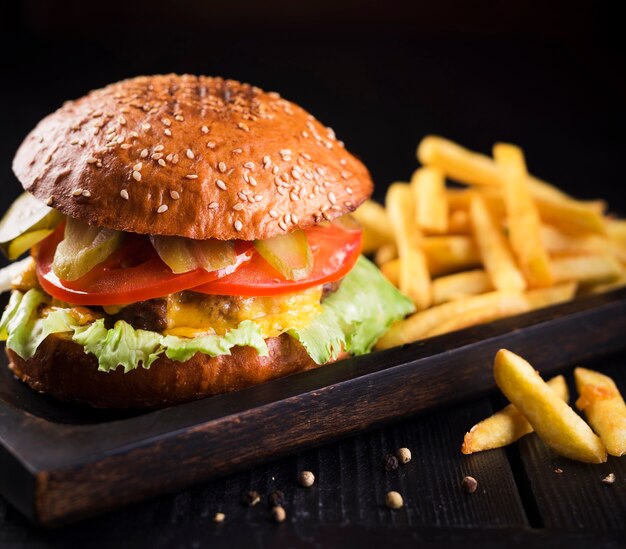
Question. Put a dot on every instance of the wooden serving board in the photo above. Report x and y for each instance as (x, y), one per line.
(60, 463)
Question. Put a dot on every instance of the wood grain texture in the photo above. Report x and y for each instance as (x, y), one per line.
(577, 498)
(80, 469)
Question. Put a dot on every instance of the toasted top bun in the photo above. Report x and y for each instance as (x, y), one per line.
(191, 156)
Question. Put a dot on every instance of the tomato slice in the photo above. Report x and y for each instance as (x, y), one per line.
(335, 250)
(132, 273)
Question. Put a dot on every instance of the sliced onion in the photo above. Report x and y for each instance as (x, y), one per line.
(289, 254)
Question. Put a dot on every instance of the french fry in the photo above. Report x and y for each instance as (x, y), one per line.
(589, 269)
(391, 270)
(431, 204)
(533, 299)
(459, 222)
(454, 286)
(604, 408)
(466, 166)
(386, 253)
(558, 243)
(420, 324)
(377, 230)
(552, 419)
(507, 425)
(449, 254)
(602, 288)
(494, 250)
(414, 279)
(522, 216)
(616, 230)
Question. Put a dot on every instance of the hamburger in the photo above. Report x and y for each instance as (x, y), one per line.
(188, 236)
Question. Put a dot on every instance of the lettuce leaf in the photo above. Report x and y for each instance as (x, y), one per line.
(355, 316)
(352, 319)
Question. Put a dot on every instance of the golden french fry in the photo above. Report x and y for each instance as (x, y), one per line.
(377, 230)
(386, 253)
(447, 288)
(604, 408)
(449, 254)
(522, 216)
(602, 288)
(431, 204)
(533, 299)
(589, 269)
(459, 222)
(507, 425)
(466, 166)
(572, 216)
(420, 324)
(414, 279)
(552, 419)
(391, 270)
(494, 250)
(616, 229)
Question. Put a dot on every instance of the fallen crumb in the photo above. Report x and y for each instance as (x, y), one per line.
(390, 462)
(469, 484)
(306, 479)
(609, 479)
(394, 500)
(279, 514)
(403, 455)
(558, 470)
(251, 498)
(219, 517)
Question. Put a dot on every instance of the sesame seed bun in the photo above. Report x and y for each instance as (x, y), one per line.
(61, 368)
(191, 156)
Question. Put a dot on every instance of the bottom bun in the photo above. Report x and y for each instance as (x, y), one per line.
(62, 369)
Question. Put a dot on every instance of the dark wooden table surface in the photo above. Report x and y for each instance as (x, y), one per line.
(521, 499)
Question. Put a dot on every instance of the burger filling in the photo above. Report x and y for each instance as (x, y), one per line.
(128, 299)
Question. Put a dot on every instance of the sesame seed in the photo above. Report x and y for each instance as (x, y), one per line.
(238, 207)
(285, 152)
(156, 156)
(238, 225)
(274, 214)
(74, 142)
(237, 151)
(331, 198)
(162, 208)
(145, 127)
(125, 146)
(249, 165)
(258, 197)
(282, 191)
(275, 170)
(191, 176)
(86, 193)
(204, 129)
(159, 148)
(222, 167)
(81, 142)
(134, 134)
(211, 144)
(50, 200)
(294, 218)
(287, 218)
(345, 175)
(305, 155)
(144, 153)
(136, 176)
(168, 132)
(166, 121)
(243, 127)
(252, 181)
(305, 134)
(77, 192)
(175, 159)
(91, 160)
(213, 205)
(282, 225)
(294, 196)
(220, 184)
(175, 195)
(190, 154)
(138, 166)
(162, 162)
(348, 190)
(242, 196)
(179, 118)
(98, 164)
(327, 216)
(122, 120)
(343, 162)
(169, 157)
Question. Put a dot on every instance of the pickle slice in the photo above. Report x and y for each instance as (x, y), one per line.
(184, 254)
(82, 248)
(26, 222)
(289, 254)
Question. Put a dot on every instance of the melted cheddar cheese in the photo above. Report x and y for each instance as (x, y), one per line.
(190, 314)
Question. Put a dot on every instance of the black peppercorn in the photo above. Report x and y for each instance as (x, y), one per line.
(276, 498)
(390, 462)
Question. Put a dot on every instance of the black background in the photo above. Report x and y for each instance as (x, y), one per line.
(546, 75)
